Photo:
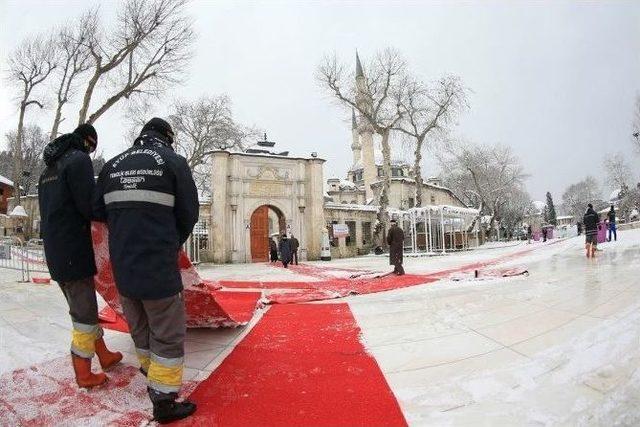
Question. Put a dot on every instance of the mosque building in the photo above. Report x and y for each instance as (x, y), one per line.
(259, 194)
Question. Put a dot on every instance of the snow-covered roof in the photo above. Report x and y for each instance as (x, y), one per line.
(351, 207)
(446, 209)
(346, 184)
(6, 181)
(615, 195)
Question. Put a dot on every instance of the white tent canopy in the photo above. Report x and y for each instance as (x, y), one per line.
(438, 228)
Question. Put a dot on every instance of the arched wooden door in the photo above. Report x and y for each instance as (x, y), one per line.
(260, 234)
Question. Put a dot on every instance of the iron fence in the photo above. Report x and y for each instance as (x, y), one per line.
(27, 257)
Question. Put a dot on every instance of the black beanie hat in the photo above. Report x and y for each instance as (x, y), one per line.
(159, 125)
(86, 131)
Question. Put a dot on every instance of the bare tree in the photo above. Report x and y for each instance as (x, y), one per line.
(149, 49)
(429, 110)
(515, 208)
(204, 125)
(74, 59)
(30, 64)
(578, 195)
(377, 96)
(618, 171)
(483, 176)
(33, 142)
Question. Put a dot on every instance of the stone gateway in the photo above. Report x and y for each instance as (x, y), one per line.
(257, 196)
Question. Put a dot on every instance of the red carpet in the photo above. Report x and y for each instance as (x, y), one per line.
(47, 395)
(302, 365)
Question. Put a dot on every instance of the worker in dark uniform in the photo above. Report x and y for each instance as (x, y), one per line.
(395, 240)
(65, 191)
(149, 200)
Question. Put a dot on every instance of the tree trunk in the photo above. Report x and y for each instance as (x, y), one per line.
(418, 171)
(383, 215)
(56, 122)
(82, 115)
(17, 153)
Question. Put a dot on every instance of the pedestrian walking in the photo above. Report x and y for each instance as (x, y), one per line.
(273, 250)
(611, 216)
(544, 234)
(149, 201)
(590, 221)
(395, 240)
(294, 249)
(529, 234)
(65, 192)
(579, 228)
(285, 250)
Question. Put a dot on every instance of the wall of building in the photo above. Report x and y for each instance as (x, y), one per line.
(402, 195)
(6, 191)
(362, 241)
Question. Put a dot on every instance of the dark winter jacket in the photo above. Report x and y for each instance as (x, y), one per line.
(590, 221)
(273, 246)
(294, 244)
(395, 240)
(285, 250)
(611, 215)
(149, 200)
(65, 190)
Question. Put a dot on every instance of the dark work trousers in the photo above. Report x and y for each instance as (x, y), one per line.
(83, 309)
(158, 330)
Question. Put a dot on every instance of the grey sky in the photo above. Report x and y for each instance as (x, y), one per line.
(555, 80)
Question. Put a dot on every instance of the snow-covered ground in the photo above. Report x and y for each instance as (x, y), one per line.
(558, 347)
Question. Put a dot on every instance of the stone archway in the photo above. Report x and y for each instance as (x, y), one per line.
(265, 221)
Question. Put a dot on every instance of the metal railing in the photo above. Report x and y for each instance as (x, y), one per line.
(27, 258)
(195, 244)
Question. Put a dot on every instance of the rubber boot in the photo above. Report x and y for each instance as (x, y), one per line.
(84, 377)
(107, 358)
(167, 409)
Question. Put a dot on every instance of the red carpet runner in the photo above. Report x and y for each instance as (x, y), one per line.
(300, 365)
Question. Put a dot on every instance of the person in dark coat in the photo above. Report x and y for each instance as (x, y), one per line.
(590, 221)
(65, 191)
(395, 240)
(544, 234)
(149, 200)
(579, 228)
(295, 244)
(529, 234)
(611, 216)
(273, 250)
(285, 250)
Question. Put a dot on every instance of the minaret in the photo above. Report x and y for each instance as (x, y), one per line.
(356, 148)
(364, 102)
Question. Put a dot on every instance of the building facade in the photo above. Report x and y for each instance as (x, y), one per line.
(258, 196)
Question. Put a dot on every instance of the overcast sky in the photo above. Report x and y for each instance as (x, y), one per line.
(554, 80)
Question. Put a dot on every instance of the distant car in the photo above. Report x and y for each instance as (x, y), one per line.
(35, 242)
